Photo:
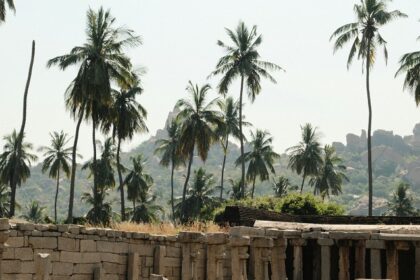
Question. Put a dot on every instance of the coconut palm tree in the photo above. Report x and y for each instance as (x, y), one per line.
(260, 159)
(401, 204)
(167, 148)
(127, 117)
(3, 11)
(305, 158)
(34, 213)
(147, 211)
(15, 164)
(242, 60)
(199, 197)
(235, 191)
(101, 61)
(138, 181)
(198, 121)
(365, 39)
(230, 113)
(57, 158)
(331, 175)
(4, 201)
(101, 211)
(282, 186)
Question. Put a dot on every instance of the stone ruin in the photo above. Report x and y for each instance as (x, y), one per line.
(269, 250)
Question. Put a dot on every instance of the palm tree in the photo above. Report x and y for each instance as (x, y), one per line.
(138, 181)
(371, 15)
(101, 61)
(168, 149)
(147, 211)
(230, 127)
(305, 158)
(198, 121)
(242, 60)
(282, 186)
(127, 118)
(401, 204)
(34, 213)
(4, 201)
(199, 197)
(101, 211)
(260, 159)
(235, 191)
(331, 175)
(15, 164)
(57, 158)
(3, 12)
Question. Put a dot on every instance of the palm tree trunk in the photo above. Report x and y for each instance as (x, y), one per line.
(303, 183)
(95, 189)
(223, 166)
(187, 178)
(253, 187)
(56, 195)
(172, 189)
(122, 196)
(369, 138)
(13, 183)
(241, 138)
(73, 166)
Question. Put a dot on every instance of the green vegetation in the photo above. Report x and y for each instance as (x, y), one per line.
(401, 204)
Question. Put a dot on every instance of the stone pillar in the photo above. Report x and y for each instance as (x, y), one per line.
(297, 258)
(278, 256)
(343, 262)
(239, 255)
(375, 247)
(216, 255)
(193, 255)
(417, 268)
(360, 256)
(133, 269)
(262, 257)
(392, 261)
(159, 260)
(4, 235)
(325, 257)
(43, 267)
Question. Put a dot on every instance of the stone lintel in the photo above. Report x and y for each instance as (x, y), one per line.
(290, 233)
(191, 237)
(344, 242)
(275, 233)
(375, 244)
(325, 242)
(239, 241)
(298, 242)
(400, 237)
(349, 235)
(280, 242)
(246, 231)
(216, 238)
(262, 242)
(402, 245)
(311, 235)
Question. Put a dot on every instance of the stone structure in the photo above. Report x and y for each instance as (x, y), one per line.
(270, 250)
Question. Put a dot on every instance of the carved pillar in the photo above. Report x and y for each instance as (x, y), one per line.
(343, 262)
(325, 257)
(262, 257)
(193, 255)
(375, 247)
(216, 255)
(43, 267)
(392, 261)
(4, 235)
(360, 256)
(278, 259)
(297, 257)
(239, 255)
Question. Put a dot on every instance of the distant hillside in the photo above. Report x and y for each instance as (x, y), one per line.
(394, 158)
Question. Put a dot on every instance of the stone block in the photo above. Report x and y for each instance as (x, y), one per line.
(19, 276)
(87, 246)
(112, 247)
(114, 268)
(84, 268)
(216, 238)
(68, 244)
(9, 253)
(43, 242)
(173, 262)
(25, 226)
(15, 242)
(76, 257)
(61, 268)
(24, 254)
(142, 249)
(113, 258)
(10, 266)
(238, 241)
(191, 237)
(27, 267)
(262, 242)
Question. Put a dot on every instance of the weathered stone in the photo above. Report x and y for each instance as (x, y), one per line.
(237, 241)
(60, 268)
(187, 237)
(25, 226)
(42, 266)
(87, 246)
(76, 257)
(216, 238)
(24, 254)
(112, 247)
(15, 242)
(375, 244)
(68, 244)
(43, 242)
(133, 272)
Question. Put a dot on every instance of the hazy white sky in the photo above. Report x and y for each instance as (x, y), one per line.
(180, 45)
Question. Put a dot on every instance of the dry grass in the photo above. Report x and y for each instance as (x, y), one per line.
(168, 228)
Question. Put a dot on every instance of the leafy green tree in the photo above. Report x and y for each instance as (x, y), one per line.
(331, 175)
(305, 158)
(242, 60)
(365, 40)
(230, 127)
(401, 204)
(4, 201)
(57, 158)
(101, 61)
(199, 197)
(260, 159)
(167, 148)
(235, 191)
(3, 11)
(138, 181)
(127, 117)
(16, 160)
(282, 186)
(101, 211)
(34, 213)
(198, 121)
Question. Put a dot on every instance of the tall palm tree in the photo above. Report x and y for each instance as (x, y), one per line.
(260, 159)
(305, 158)
(127, 117)
(3, 11)
(199, 197)
(230, 113)
(282, 186)
(167, 148)
(138, 181)
(101, 61)
(401, 204)
(57, 158)
(198, 121)
(235, 191)
(15, 164)
(34, 213)
(366, 39)
(242, 60)
(4, 201)
(331, 175)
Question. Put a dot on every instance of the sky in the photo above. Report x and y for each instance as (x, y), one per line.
(179, 44)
